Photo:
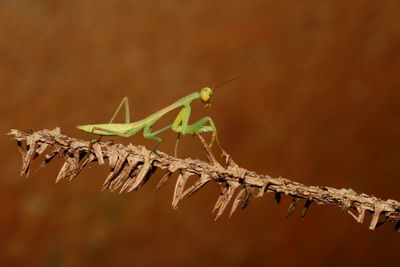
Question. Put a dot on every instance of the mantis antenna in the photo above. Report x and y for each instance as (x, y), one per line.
(227, 81)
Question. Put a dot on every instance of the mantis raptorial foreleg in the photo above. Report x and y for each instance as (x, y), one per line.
(181, 125)
(200, 127)
(196, 128)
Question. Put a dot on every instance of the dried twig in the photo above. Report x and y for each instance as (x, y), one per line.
(131, 167)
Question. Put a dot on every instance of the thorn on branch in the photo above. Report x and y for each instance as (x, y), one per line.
(247, 197)
(162, 180)
(292, 207)
(305, 209)
(277, 197)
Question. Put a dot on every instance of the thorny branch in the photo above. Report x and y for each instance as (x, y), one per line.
(132, 166)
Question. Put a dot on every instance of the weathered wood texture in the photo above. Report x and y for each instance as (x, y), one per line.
(132, 166)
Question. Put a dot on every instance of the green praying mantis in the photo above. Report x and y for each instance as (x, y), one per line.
(180, 124)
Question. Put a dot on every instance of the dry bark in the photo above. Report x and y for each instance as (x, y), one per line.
(132, 166)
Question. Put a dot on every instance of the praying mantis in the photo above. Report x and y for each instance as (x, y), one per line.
(180, 124)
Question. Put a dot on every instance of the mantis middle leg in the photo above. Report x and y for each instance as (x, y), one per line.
(147, 133)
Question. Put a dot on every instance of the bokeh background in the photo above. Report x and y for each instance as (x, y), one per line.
(319, 104)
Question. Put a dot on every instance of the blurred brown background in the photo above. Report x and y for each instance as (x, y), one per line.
(319, 104)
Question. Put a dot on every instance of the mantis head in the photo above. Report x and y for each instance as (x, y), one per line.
(205, 96)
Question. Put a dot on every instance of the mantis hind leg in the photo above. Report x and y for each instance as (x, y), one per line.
(127, 120)
(89, 151)
(124, 102)
(98, 140)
